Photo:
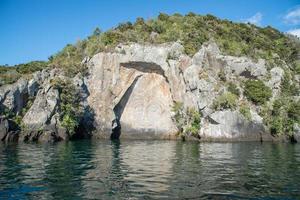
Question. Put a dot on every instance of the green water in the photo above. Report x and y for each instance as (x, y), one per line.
(149, 170)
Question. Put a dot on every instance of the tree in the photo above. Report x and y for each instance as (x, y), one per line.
(97, 32)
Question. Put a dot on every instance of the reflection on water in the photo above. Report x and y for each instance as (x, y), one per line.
(149, 169)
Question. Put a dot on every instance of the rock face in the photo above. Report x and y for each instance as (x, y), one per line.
(43, 108)
(129, 93)
(4, 128)
(297, 133)
(277, 74)
(13, 97)
(147, 101)
(133, 90)
(231, 125)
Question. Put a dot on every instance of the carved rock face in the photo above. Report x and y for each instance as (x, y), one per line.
(132, 91)
(147, 109)
(137, 95)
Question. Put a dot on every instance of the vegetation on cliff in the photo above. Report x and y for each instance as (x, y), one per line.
(187, 120)
(70, 109)
(257, 92)
(238, 39)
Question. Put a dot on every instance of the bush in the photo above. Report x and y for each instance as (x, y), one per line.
(293, 111)
(233, 89)
(194, 120)
(31, 67)
(70, 123)
(187, 120)
(276, 126)
(225, 101)
(283, 115)
(288, 88)
(70, 109)
(257, 92)
(245, 111)
(8, 77)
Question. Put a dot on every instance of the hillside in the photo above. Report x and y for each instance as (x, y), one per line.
(236, 39)
(190, 76)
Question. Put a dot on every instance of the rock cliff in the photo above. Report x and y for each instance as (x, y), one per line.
(131, 92)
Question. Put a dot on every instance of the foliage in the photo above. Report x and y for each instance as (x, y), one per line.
(288, 88)
(179, 115)
(257, 92)
(245, 111)
(187, 120)
(233, 89)
(10, 74)
(191, 30)
(283, 115)
(31, 67)
(69, 59)
(70, 109)
(70, 123)
(194, 120)
(225, 101)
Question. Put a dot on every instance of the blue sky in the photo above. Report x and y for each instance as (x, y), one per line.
(35, 29)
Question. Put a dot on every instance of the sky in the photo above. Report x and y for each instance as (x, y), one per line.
(35, 29)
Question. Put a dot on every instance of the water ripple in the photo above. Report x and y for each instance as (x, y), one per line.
(149, 170)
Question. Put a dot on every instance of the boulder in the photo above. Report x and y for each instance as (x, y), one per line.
(62, 134)
(297, 133)
(48, 136)
(4, 128)
(230, 125)
(14, 96)
(43, 108)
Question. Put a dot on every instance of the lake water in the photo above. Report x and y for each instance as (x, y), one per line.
(149, 170)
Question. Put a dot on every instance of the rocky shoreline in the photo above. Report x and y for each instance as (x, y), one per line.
(130, 93)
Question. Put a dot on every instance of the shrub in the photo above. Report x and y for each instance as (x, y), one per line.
(283, 115)
(257, 92)
(9, 77)
(31, 67)
(194, 120)
(233, 89)
(276, 126)
(187, 120)
(70, 123)
(245, 111)
(225, 101)
(288, 88)
(296, 67)
(10, 74)
(293, 111)
(70, 109)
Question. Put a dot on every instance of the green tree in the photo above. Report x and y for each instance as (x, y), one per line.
(97, 32)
